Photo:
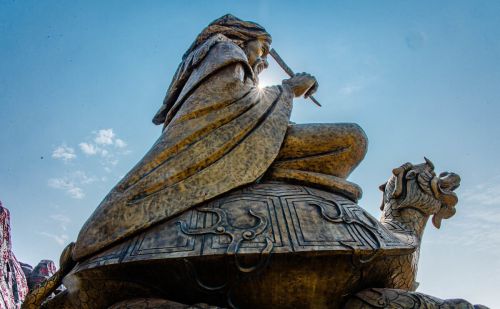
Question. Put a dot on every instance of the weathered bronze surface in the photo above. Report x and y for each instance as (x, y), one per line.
(272, 245)
(394, 298)
(220, 132)
(262, 246)
(234, 206)
(155, 303)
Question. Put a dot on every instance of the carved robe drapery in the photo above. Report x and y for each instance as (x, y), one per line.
(222, 132)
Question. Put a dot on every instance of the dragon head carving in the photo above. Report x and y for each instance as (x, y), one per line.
(418, 187)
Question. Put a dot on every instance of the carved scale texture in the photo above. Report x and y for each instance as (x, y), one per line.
(406, 222)
(45, 288)
(395, 298)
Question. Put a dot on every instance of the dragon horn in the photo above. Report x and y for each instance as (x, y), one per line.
(399, 173)
(429, 162)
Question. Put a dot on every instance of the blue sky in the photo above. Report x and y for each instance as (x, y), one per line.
(81, 80)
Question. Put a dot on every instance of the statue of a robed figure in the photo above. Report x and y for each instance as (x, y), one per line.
(221, 131)
(235, 206)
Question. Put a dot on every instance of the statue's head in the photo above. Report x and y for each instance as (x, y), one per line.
(250, 36)
(257, 51)
(419, 188)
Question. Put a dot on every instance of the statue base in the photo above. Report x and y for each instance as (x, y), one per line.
(266, 245)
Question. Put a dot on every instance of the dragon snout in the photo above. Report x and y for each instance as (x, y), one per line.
(443, 188)
(448, 181)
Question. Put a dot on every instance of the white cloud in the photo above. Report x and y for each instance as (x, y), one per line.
(475, 233)
(357, 84)
(104, 145)
(487, 215)
(60, 239)
(88, 149)
(101, 145)
(63, 220)
(478, 217)
(59, 183)
(485, 194)
(82, 178)
(64, 153)
(120, 143)
(76, 193)
(71, 184)
(104, 137)
(349, 89)
(67, 185)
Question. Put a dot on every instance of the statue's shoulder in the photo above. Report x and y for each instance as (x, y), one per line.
(217, 56)
(215, 53)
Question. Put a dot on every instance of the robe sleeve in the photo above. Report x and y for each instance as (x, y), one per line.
(225, 134)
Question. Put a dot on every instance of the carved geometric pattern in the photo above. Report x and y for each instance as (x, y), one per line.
(297, 219)
(237, 208)
(166, 240)
(111, 256)
(275, 189)
(308, 227)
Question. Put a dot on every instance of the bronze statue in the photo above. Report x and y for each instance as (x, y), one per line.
(234, 206)
(222, 132)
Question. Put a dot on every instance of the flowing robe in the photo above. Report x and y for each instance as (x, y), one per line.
(223, 132)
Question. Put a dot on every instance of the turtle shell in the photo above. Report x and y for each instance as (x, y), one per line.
(264, 245)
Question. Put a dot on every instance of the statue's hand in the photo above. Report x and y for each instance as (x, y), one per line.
(302, 84)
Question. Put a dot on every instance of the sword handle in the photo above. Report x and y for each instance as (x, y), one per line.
(288, 70)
